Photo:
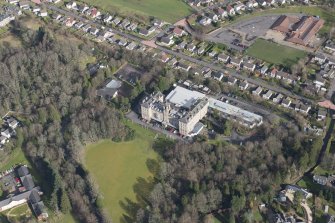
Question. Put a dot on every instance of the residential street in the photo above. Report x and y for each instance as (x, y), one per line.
(185, 57)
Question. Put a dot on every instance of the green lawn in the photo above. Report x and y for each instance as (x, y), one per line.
(120, 169)
(15, 157)
(168, 10)
(275, 53)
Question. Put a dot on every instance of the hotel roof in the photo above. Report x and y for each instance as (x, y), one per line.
(182, 97)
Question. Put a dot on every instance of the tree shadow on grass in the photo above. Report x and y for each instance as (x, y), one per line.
(142, 189)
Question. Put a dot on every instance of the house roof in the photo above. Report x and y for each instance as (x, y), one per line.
(22, 171)
(28, 182)
(34, 197)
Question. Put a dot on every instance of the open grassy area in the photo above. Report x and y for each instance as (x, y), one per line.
(15, 157)
(168, 10)
(120, 170)
(275, 53)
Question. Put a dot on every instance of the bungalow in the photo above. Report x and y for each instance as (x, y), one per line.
(321, 58)
(122, 42)
(286, 102)
(223, 58)
(178, 32)
(264, 69)
(236, 62)
(185, 67)
(205, 21)
(278, 98)
(267, 95)
(166, 41)
(230, 10)
(257, 91)
(322, 114)
(217, 76)
(243, 85)
(232, 80)
(249, 66)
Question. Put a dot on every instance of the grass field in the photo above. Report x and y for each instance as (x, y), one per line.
(275, 53)
(167, 10)
(120, 169)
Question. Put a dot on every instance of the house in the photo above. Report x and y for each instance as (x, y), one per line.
(131, 46)
(330, 47)
(69, 22)
(223, 58)
(122, 42)
(12, 122)
(158, 23)
(273, 72)
(6, 133)
(13, 1)
(261, 3)
(191, 47)
(125, 23)
(86, 28)
(36, 10)
(286, 102)
(178, 32)
(230, 10)
(93, 13)
(173, 62)
(320, 58)
(322, 114)
(182, 45)
(281, 2)
(232, 80)
(270, 2)
(43, 13)
(132, 26)
(79, 25)
(213, 53)
(71, 5)
(108, 18)
(6, 19)
(205, 21)
(217, 76)
(249, 66)
(24, 5)
(236, 62)
(201, 50)
(322, 180)
(330, 219)
(94, 31)
(213, 17)
(3, 140)
(319, 82)
(264, 69)
(267, 95)
(166, 41)
(116, 21)
(165, 58)
(278, 98)
(252, 4)
(143, 32)
(243, 85)
(151, 29)
(294, 189)
(83, 8)
(38, 206)
(257, 91)
(185, 67)
(221, 13)
(239, 7)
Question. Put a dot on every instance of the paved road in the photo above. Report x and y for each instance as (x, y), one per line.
(185, 57)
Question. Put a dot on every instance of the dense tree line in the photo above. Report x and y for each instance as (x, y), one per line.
(200, 179)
